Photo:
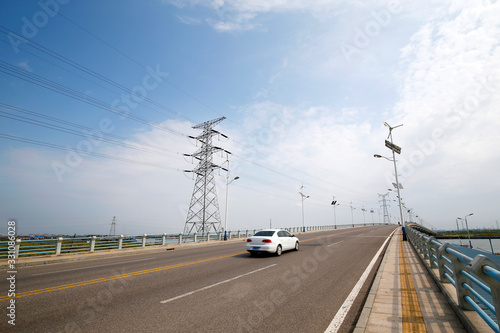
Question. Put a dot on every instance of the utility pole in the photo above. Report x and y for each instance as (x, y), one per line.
(112, 230)
(203, 214)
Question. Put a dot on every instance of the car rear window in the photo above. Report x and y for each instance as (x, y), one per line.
(265, 233)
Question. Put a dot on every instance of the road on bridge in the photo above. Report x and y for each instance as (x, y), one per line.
(217, 288)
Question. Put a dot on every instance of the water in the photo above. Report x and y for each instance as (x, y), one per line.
(477, 244)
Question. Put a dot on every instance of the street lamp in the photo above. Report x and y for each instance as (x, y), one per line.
(303, 198)
(334, 203)
(364, 221)
(458, 230)
(227, 191)
(352, 215)
(467, 226)
(393, 147)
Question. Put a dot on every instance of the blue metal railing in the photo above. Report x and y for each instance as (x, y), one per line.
(56, 246)
(476, 280)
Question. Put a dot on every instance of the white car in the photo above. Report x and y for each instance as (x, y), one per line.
(272, 241)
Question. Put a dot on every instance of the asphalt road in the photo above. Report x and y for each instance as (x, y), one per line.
(202, 289)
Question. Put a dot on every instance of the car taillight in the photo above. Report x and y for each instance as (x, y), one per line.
(249, 240)
(267, 241)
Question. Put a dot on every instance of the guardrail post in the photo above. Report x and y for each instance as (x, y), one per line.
(459, 278)
(440, 252)
(120, 242)
(92, 243)
(144, 240)
(421, 243)
(180, 238)
(59, 245)
(432, 249)
(17, 247)
(163, 239)
(195, 237)
(477, 266)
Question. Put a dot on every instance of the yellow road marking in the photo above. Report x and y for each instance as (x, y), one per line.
(413, 321)
(115, 277)
(147, 271)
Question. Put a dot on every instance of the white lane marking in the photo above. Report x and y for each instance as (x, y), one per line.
(359, 235)
(334, 244)
(346, 306)
(76, 269)
(215, 284)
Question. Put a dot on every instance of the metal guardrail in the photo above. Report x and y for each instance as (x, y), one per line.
(476, 280)
(60, 245)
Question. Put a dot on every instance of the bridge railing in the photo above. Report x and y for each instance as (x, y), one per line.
(476, 280)
(60, 245)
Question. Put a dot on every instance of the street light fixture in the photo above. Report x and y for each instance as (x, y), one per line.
(393, 148)
(352, 215)
(227, 191)
(467, 226)
(334, 203)
(458, 230)
(303, 198)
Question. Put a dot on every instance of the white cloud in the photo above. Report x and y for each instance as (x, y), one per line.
(24, 65)
(450, 90)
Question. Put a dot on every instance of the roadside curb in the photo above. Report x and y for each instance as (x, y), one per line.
(370, 299)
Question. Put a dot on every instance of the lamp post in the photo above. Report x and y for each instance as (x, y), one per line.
(334, 203)
(227, 191)
(393, 148)
(364, 221)
(303, 198)
(352, 215)
(458, 230)
(467, 226)
(372, 211)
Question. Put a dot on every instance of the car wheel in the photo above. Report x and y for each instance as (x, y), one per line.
(278, 250)
(296, 246)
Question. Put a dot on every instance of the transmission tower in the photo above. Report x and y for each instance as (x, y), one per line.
(112, 230)
(203, 214)
(384, 207)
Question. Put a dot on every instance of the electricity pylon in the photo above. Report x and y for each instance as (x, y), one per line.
(384, 207)
(203, 214)
(112, 230)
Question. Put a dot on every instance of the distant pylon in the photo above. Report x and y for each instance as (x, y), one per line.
(203, 214)
(384, 207)
(112, 231)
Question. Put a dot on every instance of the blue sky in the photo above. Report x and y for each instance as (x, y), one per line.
(306, 87)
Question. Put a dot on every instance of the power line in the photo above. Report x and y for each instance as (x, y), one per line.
(63, 90)
(75, 125)
(74, 132)
(83, 152)
(89, 71)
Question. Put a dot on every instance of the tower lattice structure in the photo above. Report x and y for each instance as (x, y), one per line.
(384, 207)
(203, 214)
(112, 230)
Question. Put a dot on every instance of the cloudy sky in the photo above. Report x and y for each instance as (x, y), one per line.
(305, 86)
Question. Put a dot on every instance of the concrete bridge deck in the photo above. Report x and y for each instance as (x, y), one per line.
(403, 298)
